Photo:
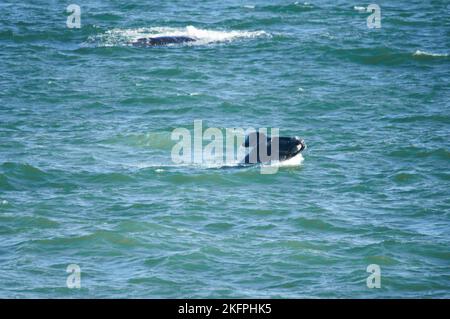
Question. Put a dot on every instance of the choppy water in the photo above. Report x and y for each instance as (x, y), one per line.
(86, 175)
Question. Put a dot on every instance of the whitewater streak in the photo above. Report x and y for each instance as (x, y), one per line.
(425, 53)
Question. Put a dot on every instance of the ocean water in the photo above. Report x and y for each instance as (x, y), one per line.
(86, 175)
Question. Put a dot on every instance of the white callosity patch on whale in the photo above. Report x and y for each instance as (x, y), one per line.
(125, 37)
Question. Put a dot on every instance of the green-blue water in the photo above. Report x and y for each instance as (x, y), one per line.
(86, 175)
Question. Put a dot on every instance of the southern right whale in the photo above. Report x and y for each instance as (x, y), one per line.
(161, 40)
(288, 147)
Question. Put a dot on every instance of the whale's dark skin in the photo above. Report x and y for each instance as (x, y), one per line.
(158, 41)
(288, 147)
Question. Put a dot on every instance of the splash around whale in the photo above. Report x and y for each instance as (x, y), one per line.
(236, 147)
(168, 36)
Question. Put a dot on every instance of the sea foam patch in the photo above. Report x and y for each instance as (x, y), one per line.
(432, 54)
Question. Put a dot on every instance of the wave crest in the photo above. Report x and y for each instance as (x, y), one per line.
(431, 54)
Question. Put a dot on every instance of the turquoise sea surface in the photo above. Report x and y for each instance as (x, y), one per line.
(86, 175)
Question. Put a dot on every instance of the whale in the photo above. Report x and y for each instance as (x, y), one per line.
(260, 148)
(161, 40)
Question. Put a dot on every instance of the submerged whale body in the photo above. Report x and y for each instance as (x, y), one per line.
(260, 144)
(162, 40)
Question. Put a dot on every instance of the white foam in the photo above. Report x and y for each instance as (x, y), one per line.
(159, 167)
(359, 8)
(117, 37)
(425, 53)
(213, 163)
(292, 162)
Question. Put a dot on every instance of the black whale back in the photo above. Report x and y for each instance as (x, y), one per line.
(154, 41)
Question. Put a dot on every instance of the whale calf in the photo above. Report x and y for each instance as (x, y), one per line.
(161, 40)
(261, 145)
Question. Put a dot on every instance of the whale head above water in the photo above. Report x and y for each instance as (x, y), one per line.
(260, 145)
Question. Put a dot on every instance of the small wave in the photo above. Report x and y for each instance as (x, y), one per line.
(432, 118)
(23, 171)
(382, 55)
(158, 167)
(161, 167)
(109, 237)
(419, 152)
(126, 37)
(295, 7)
(406, 177)
(431, 54)
(110, 177)
(4, 184)
(155, 140)
(313, 224)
